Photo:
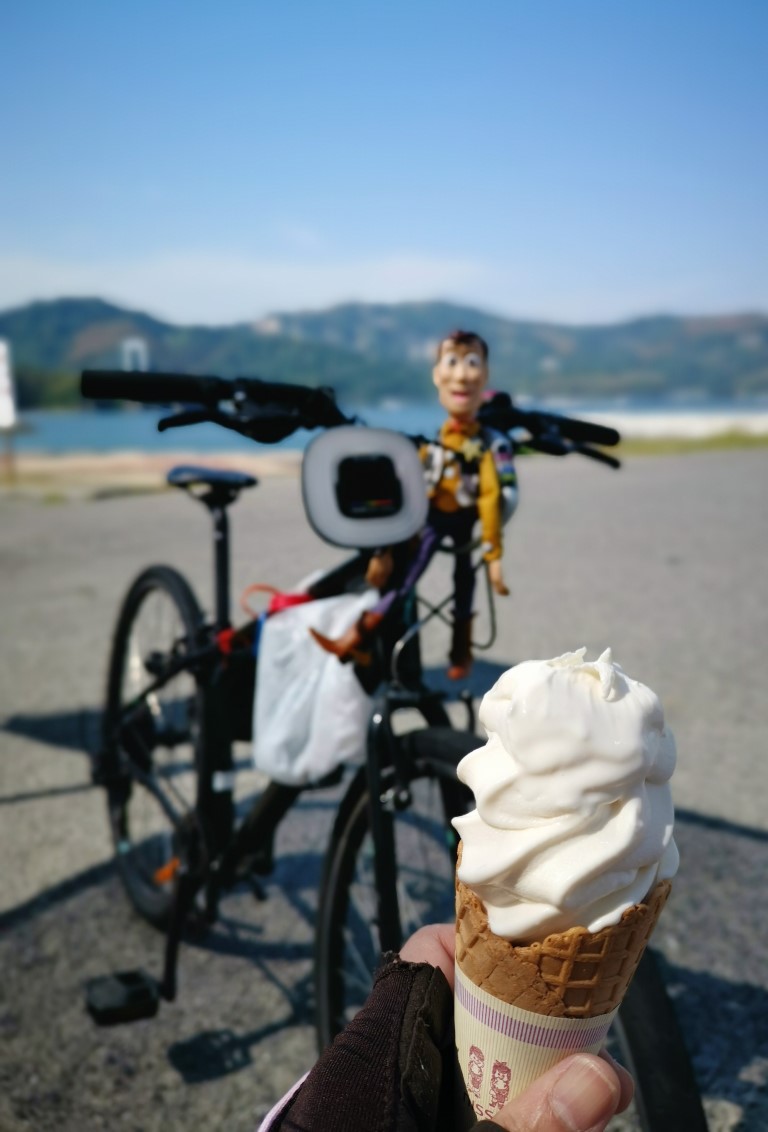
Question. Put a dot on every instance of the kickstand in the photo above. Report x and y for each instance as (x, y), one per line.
(183, 899)
(127, 996)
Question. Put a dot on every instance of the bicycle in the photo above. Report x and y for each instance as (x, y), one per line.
(180, 693)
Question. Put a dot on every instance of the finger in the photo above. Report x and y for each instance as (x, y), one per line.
(433, 944)
(626, 1081)
(579, 1094)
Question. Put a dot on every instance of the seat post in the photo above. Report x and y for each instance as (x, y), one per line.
(221, 562)
(216, 488)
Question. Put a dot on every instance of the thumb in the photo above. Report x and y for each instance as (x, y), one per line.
(579, 1094)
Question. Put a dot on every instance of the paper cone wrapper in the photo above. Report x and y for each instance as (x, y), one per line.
(521, 1008)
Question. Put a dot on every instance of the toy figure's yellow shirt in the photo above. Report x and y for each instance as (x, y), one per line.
(458, 487)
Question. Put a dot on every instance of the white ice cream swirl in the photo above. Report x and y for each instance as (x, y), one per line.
(574, 818)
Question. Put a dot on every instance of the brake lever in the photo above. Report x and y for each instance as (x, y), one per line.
(561, 446)
(188, 417)
(552, 445)
(597, 454)
(203, 415)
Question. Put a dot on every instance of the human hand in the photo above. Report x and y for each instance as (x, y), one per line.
(379, 569)
(434, 944)
(497, 578)
(579, 1094)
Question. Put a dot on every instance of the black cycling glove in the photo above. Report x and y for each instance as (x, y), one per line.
(394, 1067)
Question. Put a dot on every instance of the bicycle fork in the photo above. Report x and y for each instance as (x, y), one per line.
(379, 753)
(384, 751)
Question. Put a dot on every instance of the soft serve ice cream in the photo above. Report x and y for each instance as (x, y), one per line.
(574, 814)
(564, 866)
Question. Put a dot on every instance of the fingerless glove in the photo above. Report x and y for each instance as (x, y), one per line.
(393, 1069)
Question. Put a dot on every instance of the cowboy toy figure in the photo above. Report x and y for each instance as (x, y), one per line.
(470, 475)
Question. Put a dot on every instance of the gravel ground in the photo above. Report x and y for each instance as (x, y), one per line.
(664, 561)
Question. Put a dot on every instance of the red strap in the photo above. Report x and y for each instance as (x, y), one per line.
(277, 602)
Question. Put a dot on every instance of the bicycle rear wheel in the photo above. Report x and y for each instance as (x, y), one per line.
(348, 948)
(152, 736)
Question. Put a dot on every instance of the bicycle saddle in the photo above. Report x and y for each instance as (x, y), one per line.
(191, 475)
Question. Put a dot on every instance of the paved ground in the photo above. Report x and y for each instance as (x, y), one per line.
(664, 561)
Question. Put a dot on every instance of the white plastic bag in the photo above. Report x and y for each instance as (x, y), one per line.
(310, 713)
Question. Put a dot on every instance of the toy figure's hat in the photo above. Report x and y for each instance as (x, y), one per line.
(363, 487)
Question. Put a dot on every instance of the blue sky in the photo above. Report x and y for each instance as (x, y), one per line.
(576, 160)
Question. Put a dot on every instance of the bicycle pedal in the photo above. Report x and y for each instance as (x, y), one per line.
(125, 996)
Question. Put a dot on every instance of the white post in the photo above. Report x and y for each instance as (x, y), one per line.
(134, 354)
(8, 416)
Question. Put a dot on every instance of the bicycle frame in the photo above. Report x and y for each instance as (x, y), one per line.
(213, 850)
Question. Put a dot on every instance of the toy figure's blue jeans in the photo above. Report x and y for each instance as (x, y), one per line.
(458, 527)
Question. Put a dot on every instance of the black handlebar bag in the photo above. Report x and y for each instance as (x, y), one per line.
(363, 487)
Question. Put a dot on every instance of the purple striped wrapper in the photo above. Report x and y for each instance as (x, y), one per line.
(502, 1049)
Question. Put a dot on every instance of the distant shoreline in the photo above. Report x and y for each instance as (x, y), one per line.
(687, 424)
(93, 475)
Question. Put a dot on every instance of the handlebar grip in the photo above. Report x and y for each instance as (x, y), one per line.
(153, 388)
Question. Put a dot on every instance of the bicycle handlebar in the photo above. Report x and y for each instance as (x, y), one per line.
(264, 410)
(499, 412)
(549, 432)
(152, 388)
(268, 411)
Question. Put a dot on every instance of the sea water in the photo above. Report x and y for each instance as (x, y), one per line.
(135, 429)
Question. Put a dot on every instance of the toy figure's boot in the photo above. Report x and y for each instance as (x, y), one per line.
(460, 655)
(349, 645)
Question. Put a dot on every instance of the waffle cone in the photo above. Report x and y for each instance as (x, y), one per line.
(572, 974)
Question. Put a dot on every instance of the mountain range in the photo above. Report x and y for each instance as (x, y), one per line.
(368, 352)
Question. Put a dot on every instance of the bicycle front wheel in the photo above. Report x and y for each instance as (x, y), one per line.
(348, 947)
(646, 1036)
(648, 1040)
(151, 734)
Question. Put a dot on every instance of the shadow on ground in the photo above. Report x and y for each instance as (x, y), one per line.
(726, 1029)
(246, 986)
(73, 731)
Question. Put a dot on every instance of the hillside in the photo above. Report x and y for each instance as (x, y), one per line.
(368, 351)
(53, 341)
(664, 356)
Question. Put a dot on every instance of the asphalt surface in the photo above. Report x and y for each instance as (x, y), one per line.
(663, 561)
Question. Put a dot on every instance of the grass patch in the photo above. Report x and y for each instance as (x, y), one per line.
(673, 445)
(128, 490)
(666, 445)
